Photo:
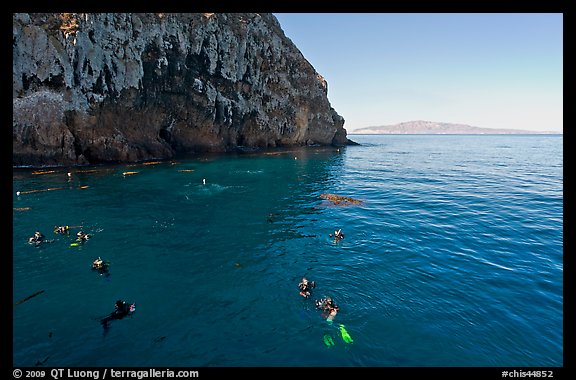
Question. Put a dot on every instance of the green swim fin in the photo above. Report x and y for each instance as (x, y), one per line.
(328, 341)
(345, 336)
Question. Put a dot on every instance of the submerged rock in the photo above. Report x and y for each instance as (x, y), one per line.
(126, 87)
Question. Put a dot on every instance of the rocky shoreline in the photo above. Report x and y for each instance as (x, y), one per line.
(112, 87)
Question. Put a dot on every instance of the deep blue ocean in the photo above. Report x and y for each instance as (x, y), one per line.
(452, 257)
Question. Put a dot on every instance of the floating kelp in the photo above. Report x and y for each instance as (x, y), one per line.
(338, 200)
(27, 298)
(87, 171)
(37, 191)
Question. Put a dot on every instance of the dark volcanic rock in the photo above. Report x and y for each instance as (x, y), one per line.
(93, 88)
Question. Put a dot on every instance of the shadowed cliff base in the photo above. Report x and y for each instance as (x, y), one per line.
(92, 88)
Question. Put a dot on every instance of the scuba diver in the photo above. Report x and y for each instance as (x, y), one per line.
(36, 239)
(306, 287)
(82, 237)
(328, 307)
(338, 235)
(121, 310)
(101, 266)
(62, 230)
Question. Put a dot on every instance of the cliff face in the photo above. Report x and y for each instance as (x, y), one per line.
(91, 88)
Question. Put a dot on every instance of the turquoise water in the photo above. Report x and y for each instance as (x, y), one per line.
(454, 258)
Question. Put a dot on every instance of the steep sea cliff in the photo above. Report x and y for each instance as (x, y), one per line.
(96, 88)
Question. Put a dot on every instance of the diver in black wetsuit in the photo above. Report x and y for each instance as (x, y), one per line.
(62, 230)
(328, 307)
(121, 309)
(36, 239)
(306, 287)
(338, 235)
(101, 266)
(82, 237)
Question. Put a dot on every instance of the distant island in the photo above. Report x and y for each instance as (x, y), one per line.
(420, 127)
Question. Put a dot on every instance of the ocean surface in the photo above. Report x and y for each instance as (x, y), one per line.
(452, 257)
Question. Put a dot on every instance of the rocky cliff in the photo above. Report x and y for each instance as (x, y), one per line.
(93, 88)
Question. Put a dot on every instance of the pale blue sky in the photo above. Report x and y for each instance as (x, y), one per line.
(491, 70)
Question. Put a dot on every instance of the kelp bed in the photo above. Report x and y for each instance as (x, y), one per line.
(338, 200)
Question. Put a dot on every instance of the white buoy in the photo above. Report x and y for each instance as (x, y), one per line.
(69, 174)
(204, 181)
(18, 193)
